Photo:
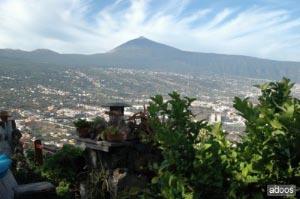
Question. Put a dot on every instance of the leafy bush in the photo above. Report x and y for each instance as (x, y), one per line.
(64, 164)
(198, 162)
(196, 156)
(63, 190)
(24, 168)
(62, 169)
(99, 122)
(270, 151)
(111, 130)
(82, 123)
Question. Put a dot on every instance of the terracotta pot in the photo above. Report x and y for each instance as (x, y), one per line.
(115, 137)
(83, 132)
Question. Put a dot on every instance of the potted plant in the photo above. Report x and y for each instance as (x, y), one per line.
(113, 134)
(98, 126)
(83, 127)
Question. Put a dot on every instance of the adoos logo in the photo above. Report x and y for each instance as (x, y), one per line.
(281, 190)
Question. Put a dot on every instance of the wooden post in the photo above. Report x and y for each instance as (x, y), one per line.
(38, 152)
(93, 156)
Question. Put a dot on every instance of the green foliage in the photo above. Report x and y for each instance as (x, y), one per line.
(82, 123)
(111, 130)
(98, 122)
(196, 157)
(64, 164)
(214, 163)
(199, 162)
(24, 168)
(63, 190)
(270, 150)
(61, 169)
(97, 185)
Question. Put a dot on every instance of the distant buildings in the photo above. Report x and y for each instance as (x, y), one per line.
(215, 118)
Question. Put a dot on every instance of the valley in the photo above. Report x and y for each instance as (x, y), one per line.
(47, 91)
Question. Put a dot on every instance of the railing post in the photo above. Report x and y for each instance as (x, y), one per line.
(38, 152)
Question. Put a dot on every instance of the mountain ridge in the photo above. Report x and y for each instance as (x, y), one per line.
(143, 53)
(141, 38)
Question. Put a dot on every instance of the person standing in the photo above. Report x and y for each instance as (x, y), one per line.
(8, 133)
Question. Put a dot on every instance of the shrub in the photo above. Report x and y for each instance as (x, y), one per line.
(64, 164)
(198, 162)
(270, 151)
(196, 156)
(63, 190)
(24, 168)
(82, 123)
(99, 122)
(111, 130)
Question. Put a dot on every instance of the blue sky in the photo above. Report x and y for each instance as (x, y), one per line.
(261, 28)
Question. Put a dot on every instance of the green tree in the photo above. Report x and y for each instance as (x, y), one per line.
(199, 162)
(269, 153)
(196, 156)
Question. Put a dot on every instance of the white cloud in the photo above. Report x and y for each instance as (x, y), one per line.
(74, 26)
(220, 17)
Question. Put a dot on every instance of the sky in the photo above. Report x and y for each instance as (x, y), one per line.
(260, 28)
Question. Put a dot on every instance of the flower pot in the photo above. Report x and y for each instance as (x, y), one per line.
(115, 137)
(83, 132)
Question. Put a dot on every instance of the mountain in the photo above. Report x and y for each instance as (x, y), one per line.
(142, 53)
(143, 43)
